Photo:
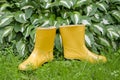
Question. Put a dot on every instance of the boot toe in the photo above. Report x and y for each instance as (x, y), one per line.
(102, 59)
(22, 67)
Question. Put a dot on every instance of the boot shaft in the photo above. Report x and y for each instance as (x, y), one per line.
(73, 35)
(44, 38)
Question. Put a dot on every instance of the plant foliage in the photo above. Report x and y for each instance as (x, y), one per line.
(20, 18)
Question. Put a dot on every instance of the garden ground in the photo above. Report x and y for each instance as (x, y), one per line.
(60, 69)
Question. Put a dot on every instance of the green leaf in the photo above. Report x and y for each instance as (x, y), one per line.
(75, 17)
(79, 3)
(46, 23)
(64, 14)
(114, 45)
(28, 31)
(5, 32)
(102, 6)
(91, 10)
(28, 13)
(52, 19)
(107, 19)
(115, 1)
(20, 46)
(97, 17)
(48, 5)
(116, 15)
(112, 33)
(100, 28)
(4, 6)
(65, 3)
(34, 19)
(26, 7)
(11, 36)
(6, 20)
(32, 35)
(87, 39)
(58, 42)
(20, 17)
(104, 42)
(45, 1)
(85, 20)
(20, 27)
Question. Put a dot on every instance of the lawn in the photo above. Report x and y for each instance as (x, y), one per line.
(60, 69)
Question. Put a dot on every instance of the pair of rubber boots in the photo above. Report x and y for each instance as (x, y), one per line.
(73, 43)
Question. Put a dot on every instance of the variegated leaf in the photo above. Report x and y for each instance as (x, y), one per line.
(28, 13)
(91, 10)
(20, 46)
(80, 3)
(102, 6)
(104, 42)
(99, 28)
(75, 17)
(115, 1)
(26, 7)
(87, 39)
(35, 21)
(6, 21)
(112, 33)
(11, 36)
(58, 44)
(86, 22)
(4, 6)
(45, 23)
(65, 3)
(5, 32)
(104, 21)
(32, 35)
(64, 14)
(48, 5)
(28, 31)
(116, 14)
(20, 17)
(47, 0)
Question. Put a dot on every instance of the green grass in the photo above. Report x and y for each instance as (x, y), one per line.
(60, 69)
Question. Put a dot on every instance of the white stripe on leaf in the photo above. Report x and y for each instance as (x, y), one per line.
(104, 21)
(7, 30)
(96, 16)
(102, 6)
(26, 7)
(104, 42)
(47, 5)
(85, 22)
(80, 1)
(5, 20)
(76, 18)
(87, 39)
(116, 13)
(89, 9)
(113, 34)
(45, 23)
(35, 20)
(71, 3)
(65, 3)
(22, 16)
(99, 28)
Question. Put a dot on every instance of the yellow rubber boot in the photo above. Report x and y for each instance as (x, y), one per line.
(74, 44)
(43, 49)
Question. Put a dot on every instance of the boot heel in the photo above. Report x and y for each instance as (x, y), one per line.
(71, 55)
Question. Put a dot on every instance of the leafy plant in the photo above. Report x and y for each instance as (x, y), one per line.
(20, 18)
